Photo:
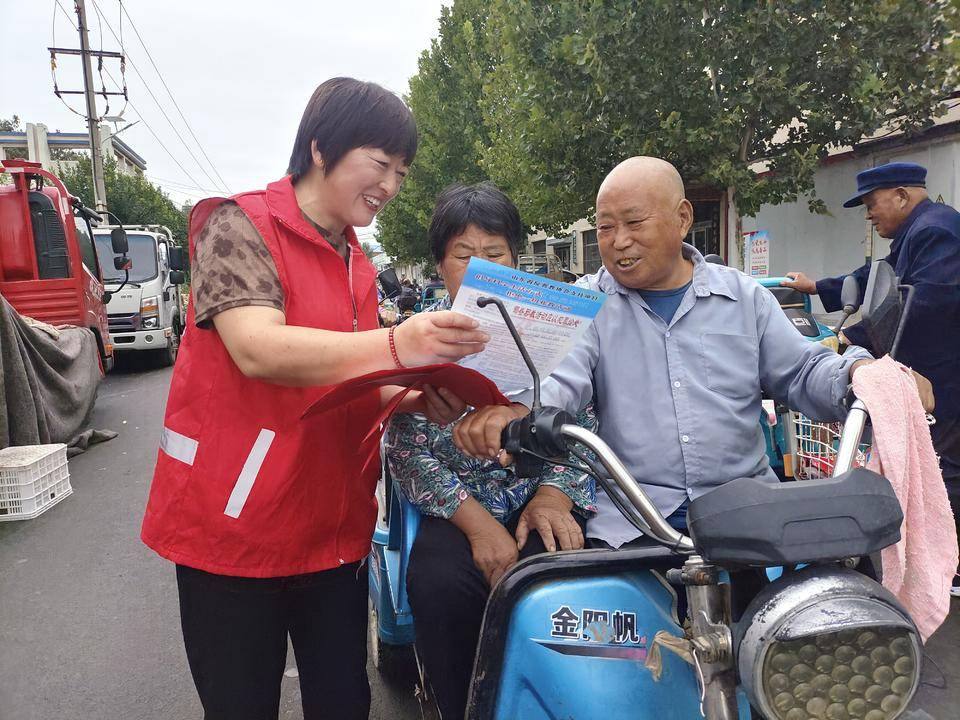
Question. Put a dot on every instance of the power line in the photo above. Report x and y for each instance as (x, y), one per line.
(124, 11)
(66, 14)
(159, 105)
(53, 62)
(155, 137)
(181, 184)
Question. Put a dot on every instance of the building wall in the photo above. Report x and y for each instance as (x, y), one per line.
(36, 144)
(842, 240)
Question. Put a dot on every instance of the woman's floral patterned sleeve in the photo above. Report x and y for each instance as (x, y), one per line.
(425, 481)
(579, 486)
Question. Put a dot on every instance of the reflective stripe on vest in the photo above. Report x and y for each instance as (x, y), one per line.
(251, 467)
(179, 447)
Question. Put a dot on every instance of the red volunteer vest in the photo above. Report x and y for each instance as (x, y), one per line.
(242, 485)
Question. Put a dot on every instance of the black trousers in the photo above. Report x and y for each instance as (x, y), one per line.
(953, 494)
(946, 441)
(448, 595)
(235, 632)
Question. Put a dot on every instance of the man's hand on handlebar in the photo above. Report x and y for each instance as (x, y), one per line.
(478, 434)
(548, 512)
(799, 281)
(924, 388)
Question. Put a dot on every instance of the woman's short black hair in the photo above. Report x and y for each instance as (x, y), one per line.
(484, 205)
(344, 114)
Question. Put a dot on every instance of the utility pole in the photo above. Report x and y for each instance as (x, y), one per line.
(93, 121)
(89, 92)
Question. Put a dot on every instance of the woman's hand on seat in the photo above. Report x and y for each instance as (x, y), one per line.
(549, 514)
(494, 551)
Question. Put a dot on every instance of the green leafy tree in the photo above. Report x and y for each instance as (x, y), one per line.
(716, 87)
(132, 198)
(445, 99)
(10, 124)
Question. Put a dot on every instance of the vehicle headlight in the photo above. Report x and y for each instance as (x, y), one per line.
(150, 313)
(830, 644)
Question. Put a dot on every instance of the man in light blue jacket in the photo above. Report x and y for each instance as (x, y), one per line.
(677, 357)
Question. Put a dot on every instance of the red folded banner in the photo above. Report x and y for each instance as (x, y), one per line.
(470, 386)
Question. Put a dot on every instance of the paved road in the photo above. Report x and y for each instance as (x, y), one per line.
(88, 615)
(89, 623)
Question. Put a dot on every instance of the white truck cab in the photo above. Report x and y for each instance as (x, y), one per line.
(145, 313)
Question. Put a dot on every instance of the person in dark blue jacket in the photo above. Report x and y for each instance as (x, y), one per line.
(925, 253)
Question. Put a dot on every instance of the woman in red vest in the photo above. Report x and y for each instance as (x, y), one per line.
(269, 517)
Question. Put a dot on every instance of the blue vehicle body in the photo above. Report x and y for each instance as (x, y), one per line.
(572, 633)
(551, 670)
(389, 556)
(790, 299)
(430, 295)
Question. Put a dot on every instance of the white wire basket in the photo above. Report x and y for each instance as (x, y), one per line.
(816, 448)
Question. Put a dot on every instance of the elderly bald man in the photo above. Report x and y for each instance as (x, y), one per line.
(676, 358)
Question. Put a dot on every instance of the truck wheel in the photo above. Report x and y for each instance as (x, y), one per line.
(395, 663)
(167, 356)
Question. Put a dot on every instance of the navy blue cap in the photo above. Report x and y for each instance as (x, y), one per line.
(895, 174)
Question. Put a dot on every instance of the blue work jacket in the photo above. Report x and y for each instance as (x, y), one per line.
(925, 253)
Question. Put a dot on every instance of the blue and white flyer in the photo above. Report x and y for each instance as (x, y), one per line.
(550, 316)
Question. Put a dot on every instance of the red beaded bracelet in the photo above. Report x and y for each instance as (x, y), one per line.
(393, 349)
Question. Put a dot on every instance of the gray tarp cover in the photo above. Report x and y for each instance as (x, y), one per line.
(49, 385)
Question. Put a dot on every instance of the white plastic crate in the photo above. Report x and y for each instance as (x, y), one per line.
(33, 478)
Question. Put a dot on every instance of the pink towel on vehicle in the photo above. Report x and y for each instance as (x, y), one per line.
(918, 569)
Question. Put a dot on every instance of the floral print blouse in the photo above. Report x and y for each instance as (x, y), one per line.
(436, 477)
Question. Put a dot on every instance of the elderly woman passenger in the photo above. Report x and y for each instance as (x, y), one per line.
(478, 516)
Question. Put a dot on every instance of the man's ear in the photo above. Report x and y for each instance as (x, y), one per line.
(903, 197)
(439, 271)
(685, 213)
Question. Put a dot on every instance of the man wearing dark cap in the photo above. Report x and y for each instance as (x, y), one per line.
(925, 253)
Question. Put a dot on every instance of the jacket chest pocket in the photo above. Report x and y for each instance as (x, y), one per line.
(731, 364)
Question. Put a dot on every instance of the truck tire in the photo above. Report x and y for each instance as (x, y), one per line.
(167, 356)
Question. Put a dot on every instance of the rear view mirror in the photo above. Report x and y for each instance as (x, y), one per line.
(175, 257)
(850, 299)
(118, 240)
(122, 263)
(882, 308)
(177, 277)
(389, 283)
(850, 294)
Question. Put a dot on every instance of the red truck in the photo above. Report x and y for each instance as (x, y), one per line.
(49, 268)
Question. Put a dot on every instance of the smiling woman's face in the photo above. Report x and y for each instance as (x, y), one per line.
(472, 242)
(362, 183)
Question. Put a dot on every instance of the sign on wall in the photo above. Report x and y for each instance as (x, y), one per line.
(756, 253)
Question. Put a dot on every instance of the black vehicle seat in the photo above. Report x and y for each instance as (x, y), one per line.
(752, 522)
(49, 238)
(788, 297)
